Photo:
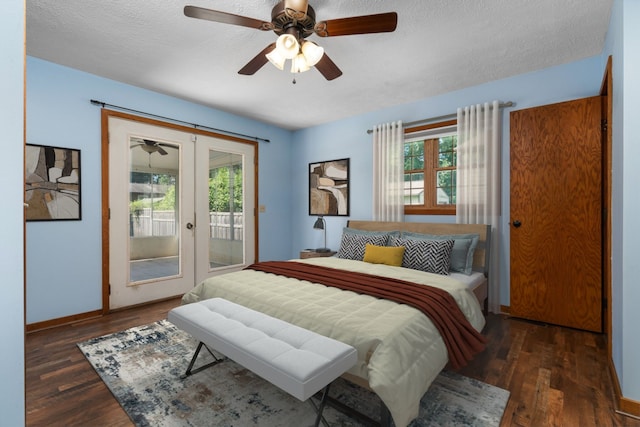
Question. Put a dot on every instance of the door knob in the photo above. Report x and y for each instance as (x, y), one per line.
(189, 225)
(517, 223)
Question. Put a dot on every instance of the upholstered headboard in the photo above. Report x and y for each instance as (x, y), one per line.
(480, 256)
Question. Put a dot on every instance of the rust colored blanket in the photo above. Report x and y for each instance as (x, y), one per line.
(460, 337)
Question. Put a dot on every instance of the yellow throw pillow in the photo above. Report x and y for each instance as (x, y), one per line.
(389, 255)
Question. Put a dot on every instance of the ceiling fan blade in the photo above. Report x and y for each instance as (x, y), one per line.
(258, 62)
(328, 68)
(226, 18)
(366, 24)
(161, 150)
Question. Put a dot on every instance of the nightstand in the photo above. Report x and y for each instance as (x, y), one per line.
(312, 253)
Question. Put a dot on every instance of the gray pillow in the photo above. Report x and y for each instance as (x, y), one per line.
(387, 234)
(464, 247)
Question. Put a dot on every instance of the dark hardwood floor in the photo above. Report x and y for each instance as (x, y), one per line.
(557, 376)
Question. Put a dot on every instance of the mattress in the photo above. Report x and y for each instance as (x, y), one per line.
(400, 352)
(476, 282)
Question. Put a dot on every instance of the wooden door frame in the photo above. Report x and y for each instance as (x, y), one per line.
(105, 115)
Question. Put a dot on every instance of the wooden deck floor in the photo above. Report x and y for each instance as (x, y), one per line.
(557, 376)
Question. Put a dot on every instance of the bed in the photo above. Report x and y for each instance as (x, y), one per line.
(400, 351)
(476, 281)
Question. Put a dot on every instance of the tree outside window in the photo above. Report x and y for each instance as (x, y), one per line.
(225, 188)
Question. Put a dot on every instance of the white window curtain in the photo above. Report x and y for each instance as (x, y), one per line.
(388, 172)
(478, 180)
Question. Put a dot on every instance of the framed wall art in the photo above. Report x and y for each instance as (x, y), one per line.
(52, 183)
(329, 188)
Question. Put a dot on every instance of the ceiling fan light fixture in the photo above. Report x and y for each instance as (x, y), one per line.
(293, 21)
(287, 46)
(299, 64)
(148, 148)
(312, 53)
(296, 9)
(276, 59)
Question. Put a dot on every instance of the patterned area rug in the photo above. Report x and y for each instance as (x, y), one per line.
(142, 368)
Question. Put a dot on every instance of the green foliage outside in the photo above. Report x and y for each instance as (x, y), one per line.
(167, 203)
(447, 151)
(222, 182)
(220, 190)
(414, 155)
(447, 157)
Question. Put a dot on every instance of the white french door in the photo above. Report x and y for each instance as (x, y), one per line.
(225, 206)
(181, 209)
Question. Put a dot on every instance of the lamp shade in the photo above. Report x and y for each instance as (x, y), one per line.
(287, 46)
(312, 53)
(276, 59)
(319, 224)
(299, 64)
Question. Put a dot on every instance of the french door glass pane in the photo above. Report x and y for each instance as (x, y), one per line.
(226, 228)
(154, 211)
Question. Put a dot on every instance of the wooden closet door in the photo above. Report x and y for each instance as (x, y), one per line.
(556, 214)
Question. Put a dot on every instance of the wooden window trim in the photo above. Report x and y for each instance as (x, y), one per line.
(431, 126)
(421, 210)
(429, 188)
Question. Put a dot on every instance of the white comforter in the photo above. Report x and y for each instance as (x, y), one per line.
(400, 352)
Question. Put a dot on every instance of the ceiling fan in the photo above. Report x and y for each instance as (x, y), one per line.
(151, 146)
(293, 21)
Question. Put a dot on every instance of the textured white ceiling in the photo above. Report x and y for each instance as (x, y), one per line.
(439, 46)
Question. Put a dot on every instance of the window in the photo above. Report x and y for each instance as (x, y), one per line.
(152, 205)
(225, 196)
(430, 158)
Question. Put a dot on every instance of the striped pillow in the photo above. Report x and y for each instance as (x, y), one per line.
(352, 246)
(432, 256)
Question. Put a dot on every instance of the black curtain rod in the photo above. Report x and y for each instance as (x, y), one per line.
(194, 125)
(443, 118)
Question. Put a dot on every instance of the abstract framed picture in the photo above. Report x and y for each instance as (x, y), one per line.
(329, 188)
(52, 183)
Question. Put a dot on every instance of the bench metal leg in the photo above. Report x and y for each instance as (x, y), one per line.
(191, 371)
(385, 415)
(320, 408)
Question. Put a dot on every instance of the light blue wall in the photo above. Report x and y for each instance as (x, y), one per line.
(11, 215)
(631, 210)
(349, 138)
(630, 375)
(623, 44)
(64, 257)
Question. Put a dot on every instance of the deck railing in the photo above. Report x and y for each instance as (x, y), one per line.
(147, 222)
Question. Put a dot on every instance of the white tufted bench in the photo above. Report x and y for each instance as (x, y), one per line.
(292, 358)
